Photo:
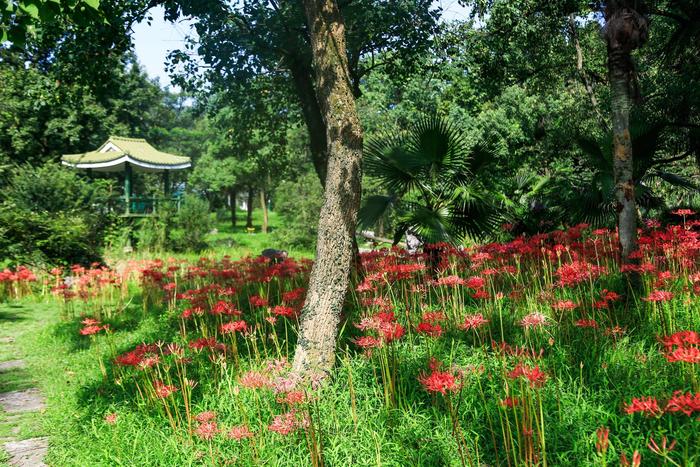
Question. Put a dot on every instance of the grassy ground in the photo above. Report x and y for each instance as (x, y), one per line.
(235, 242)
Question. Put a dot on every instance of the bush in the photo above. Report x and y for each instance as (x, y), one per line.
(298, 203)
(191, 224)
(48, 215)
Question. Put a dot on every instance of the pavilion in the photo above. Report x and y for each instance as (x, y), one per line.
(129, 155)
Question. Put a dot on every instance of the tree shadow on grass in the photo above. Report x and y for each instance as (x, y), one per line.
(15, 379)
(12, 312)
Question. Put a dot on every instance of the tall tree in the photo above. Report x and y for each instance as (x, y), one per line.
(626, 29)
(239, 42)
(330, 276)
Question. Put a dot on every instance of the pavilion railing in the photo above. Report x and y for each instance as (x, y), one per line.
(143, 205)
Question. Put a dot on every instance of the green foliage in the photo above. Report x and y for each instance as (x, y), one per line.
(432, 176)
(190, 225)
(298, 204)
(48, 215)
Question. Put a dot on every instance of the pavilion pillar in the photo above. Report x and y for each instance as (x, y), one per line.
(127, 186)
(166, 183)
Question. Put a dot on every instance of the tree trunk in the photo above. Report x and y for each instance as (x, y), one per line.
(625, 30)
(584, 77)
(249, 207)
(623, 163)
(302, 74)
(232, 206)
(330, 276)
(263, 203)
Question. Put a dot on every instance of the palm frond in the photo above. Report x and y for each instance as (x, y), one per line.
(373, 209)
(676, 180)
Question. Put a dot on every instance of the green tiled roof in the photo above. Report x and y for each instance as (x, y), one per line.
(137, 149)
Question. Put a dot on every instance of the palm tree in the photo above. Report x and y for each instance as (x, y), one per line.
(431, 174)
(596, 202)
(626, 29)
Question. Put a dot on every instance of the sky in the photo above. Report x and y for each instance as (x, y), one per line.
(153, 42)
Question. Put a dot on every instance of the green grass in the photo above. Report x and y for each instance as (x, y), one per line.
(234, 242)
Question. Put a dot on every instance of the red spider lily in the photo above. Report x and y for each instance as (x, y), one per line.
(292, 398)
(564, 305)
(285, 423)
(440, 381)
(586, 323)
(256, 300)
(206, 343)
(432, 330)
(204, 417)
(609, 296)
(286, 311)
(480, 294)
(510, 402)
(111, 418)
(687, 355)
(636, 460)
(254, 380)
(391, 331)
(602, 442)
(239, 432)
(534, 320)
(683, 346)
(576, 272)
(450, 281)
(534, 375)
(687, 403)
(473, 322)
(225, 308)
(433, 317)
(134, 357)
(234, 326)
(646, 405)
(90, 322)
(278, 365)
(207, 430)
(664, 450)
(293, 296)
(681, 339)
(659, 296)
(367, 342)
(90, 330)
(683, 212)
(476, 282)
(163, 390)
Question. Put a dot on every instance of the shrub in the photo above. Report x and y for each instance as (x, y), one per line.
(48, 215)
(190, 225)
(298, 203)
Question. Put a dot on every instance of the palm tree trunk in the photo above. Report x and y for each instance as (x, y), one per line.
(623, 162)
(330, 276)
(626, 29)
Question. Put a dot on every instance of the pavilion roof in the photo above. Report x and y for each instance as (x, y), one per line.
(117, 151)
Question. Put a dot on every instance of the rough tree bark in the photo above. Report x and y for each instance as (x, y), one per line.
(302, 74)
(330, 276)
(625, 30)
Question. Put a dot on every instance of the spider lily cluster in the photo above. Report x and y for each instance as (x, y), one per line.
(498, 335)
